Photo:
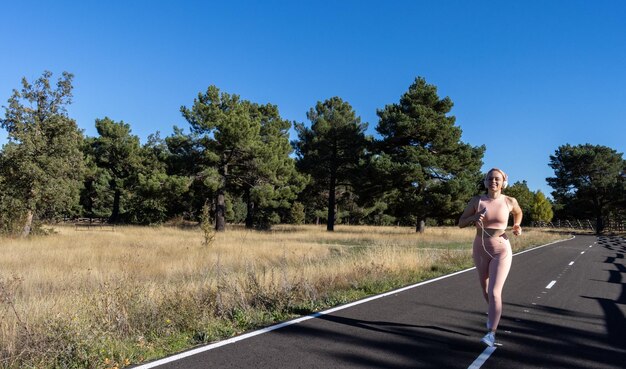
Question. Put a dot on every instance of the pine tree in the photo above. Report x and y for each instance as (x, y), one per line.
(272, 181)
(227, 134)
(186, 158)
(423, 164)
(155, 193)
(117, 151)
(332, 150)
(96, 197)
(588, 181)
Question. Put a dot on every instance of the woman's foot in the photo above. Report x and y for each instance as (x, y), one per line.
(489, 339)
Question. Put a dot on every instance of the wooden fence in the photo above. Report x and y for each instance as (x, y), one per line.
(93, 223)
(615, 226)
(611, 225)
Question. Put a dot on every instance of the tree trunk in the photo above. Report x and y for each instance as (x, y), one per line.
(220, 211)
(420, 226)
(599, 224)
(250, 213)
(90, 195)
(115, 214)
(28, 224)
(330, 224)
(598, 211)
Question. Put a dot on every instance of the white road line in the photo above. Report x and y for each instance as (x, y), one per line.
(542, 246)
(550, 285)
(571, 263)
(480, 360)
(582, 252)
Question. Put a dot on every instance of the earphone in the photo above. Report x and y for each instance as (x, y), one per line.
(505, 183)
(482, 234)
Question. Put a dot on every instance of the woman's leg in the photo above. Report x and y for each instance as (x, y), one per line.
(498, 271)
(481, 261)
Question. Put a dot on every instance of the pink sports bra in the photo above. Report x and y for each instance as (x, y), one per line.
(497, 216)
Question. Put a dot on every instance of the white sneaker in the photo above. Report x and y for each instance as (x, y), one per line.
(489, 339)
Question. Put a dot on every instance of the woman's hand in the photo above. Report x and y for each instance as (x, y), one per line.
(517, 230)
(470, 215)
(478, 218)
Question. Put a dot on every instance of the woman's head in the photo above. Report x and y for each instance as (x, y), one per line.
(497, 177)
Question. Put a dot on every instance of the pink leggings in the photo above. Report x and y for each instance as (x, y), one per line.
(493, 262)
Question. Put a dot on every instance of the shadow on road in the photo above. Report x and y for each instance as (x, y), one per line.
(572, 345)
(387, 344)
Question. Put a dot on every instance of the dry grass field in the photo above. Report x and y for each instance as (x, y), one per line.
(106, 299)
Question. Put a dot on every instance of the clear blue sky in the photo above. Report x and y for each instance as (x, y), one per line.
(525, 76)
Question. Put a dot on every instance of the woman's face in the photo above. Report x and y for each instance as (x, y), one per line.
(495, 180)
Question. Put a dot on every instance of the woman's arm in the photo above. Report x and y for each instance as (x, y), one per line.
(517, 216)
(469, 215)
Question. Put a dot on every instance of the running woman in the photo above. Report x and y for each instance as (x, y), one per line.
(492, 250)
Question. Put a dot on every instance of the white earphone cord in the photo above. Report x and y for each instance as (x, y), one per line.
(482, 237)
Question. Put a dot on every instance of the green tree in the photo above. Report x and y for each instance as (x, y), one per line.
(332, 150)
(315, 202)
(186, 158)
(271, 181)
(128, 182)
(588, 181)
(118, 152)
(424, 167)
(96, 197)
(541, 210)
(42, 163)
(154, 192)
(227, 134)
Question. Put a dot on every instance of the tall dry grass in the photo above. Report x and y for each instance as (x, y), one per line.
(98, 299)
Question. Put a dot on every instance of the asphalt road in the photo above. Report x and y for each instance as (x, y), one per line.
(565, 307)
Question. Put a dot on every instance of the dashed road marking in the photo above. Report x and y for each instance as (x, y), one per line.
(550, 285)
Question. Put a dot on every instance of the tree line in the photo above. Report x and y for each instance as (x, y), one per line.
(236, 159)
